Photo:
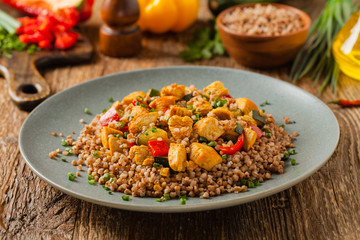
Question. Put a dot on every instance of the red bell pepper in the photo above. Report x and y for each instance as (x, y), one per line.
(158, 148)
(233, 149)
(131, 144)
(226, 96)
(259, 133)
(70, 16)
(109, 116)
(125, 129)
(43, 30)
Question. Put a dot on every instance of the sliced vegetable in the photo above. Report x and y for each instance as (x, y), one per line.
(151, 134)
(259, 133)
(260, 119)
(162, 161)
(69, 12)
(233, 149)
(239, 129)
(187, 97)
(153, 93)
(109, 116)
(158, 148)
(8, 22)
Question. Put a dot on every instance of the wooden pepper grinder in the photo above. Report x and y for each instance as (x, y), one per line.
(120, 36)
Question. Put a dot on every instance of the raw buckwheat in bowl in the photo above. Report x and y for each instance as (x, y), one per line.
(263, 35)
(71, 121)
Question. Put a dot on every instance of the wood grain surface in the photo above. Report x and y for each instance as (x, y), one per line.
(324, 206)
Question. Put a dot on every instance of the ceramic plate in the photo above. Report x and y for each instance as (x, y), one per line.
(316, 124)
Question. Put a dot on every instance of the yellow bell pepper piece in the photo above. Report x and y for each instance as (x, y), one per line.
(160, 16)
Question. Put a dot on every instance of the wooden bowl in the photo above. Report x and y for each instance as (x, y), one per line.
(263, 51)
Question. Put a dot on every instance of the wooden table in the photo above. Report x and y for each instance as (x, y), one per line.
(324, 206)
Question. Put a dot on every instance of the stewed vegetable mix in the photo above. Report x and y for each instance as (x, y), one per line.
(181, 141)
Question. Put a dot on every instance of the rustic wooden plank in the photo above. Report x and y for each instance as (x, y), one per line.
(325, 206)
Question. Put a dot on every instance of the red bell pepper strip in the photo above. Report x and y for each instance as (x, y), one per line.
(131, 144)
(347, 103)
(109, 116)
(259, 133)
(233, 149)
(125, 129)
(158, 148)
(226, 96)
(70, 16)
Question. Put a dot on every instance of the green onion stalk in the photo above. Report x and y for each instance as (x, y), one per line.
(316, 58)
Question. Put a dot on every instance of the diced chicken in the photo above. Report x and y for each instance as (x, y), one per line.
(178, 91)
(249, 138)
(191, 165)
(142, 120)
(180, 127)
(216, 89)
(209, 128)
(115, 145)
(177, 157)
(249, 120)
(162, 103)
(229, 128)
(203, 108)
(141, 155)
(138, 110)
(105, 132)
(246, 105)
(132, 96)
(222, 113)
(179, 111)
(204, 156)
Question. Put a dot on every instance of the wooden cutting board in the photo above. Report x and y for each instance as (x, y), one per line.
(27, 87)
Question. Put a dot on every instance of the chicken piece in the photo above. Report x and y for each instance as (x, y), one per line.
(117, 145)
(208, 128)
(204, 156)
(222, 113)
(204, 108)
(138, 110)
(178, 91)
(249, 120)
(177, 157)
(246, 105)
(162, 103)
(179, 111)
(191, 165)
(141, 155)
(180, 127)
(216, 89)
(142, 120)
(229, 128)
(105, 132)
(132, 96)
(249, 138)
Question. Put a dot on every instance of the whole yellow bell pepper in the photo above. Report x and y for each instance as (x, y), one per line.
(160, 16)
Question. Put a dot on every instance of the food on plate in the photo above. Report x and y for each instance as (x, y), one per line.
(182, 141)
